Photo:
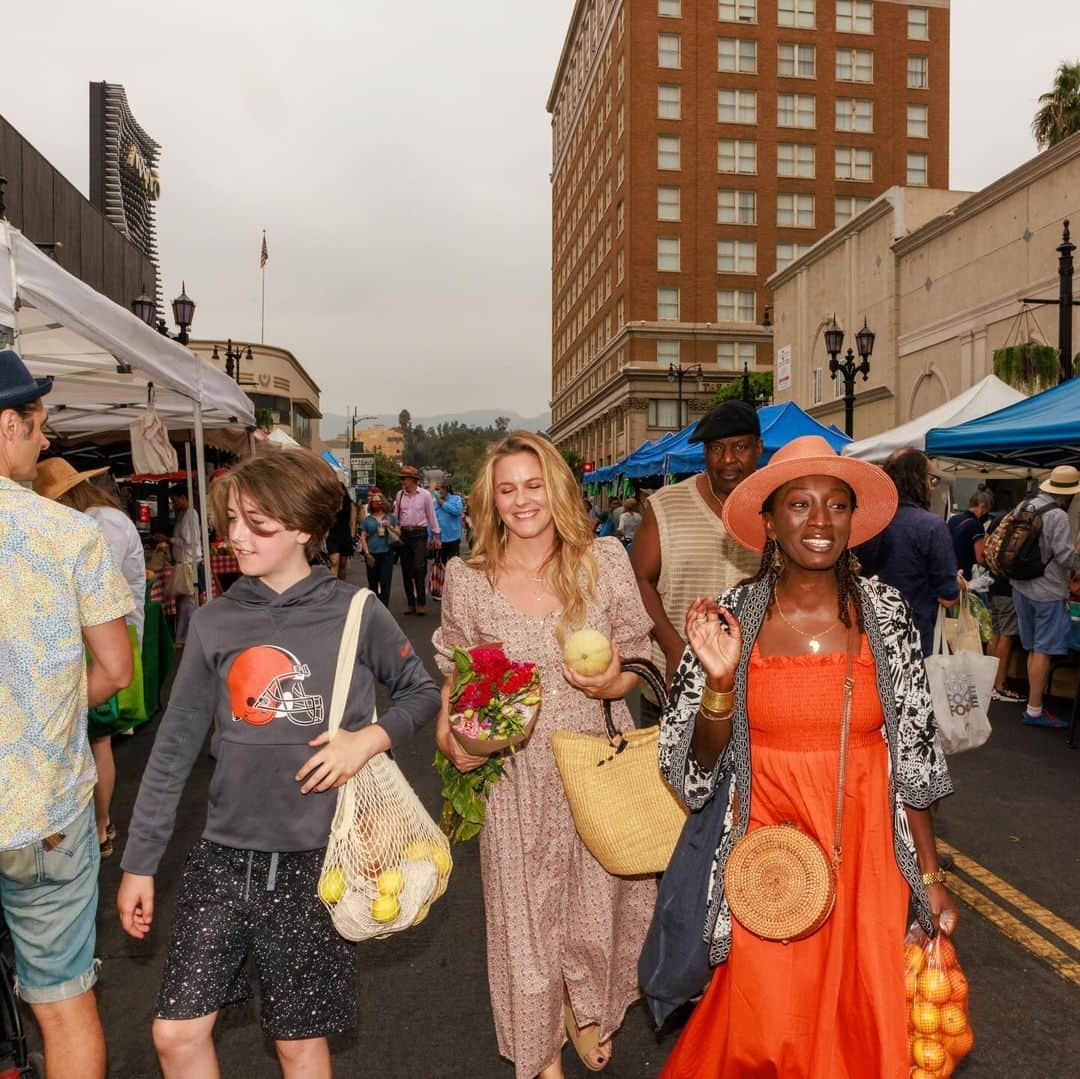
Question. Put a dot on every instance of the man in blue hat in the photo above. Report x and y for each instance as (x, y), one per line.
(49, 853)
(681, 548)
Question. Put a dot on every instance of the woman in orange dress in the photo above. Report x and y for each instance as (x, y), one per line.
(759, 692)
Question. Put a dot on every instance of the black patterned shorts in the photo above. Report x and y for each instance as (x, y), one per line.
(234, 904)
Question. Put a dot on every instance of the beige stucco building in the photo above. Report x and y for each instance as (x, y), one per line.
(938, 276)
(277, 383)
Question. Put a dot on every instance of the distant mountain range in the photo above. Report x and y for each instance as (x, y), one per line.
(333, 425)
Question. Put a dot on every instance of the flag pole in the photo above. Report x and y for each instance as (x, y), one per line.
(262, 263)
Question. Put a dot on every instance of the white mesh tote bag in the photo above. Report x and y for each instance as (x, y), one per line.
(386, 860)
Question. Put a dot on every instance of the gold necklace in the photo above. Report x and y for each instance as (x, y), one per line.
(712, 490)
(814, 638)
(536, 578)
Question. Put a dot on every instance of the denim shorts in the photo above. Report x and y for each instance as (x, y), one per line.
(1044, 626)
(50, 900)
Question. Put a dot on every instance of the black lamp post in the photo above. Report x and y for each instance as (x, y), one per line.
(848, 368)
(1065, 303)
(676, 373)
(144, 307)
(232, 359)
(183, 313)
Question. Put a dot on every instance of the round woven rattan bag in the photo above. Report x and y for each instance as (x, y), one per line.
(779, 883)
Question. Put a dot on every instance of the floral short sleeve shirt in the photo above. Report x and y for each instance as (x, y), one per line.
(56, 576)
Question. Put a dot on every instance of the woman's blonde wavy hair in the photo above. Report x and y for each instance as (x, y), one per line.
(571, 572)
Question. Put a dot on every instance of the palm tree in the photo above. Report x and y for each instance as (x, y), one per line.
(1059, 113)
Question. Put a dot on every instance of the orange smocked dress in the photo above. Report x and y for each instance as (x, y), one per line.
(831, 1006)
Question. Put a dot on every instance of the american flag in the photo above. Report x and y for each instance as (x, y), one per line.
(264, 255)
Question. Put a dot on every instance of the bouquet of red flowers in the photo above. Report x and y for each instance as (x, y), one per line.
(495, 704)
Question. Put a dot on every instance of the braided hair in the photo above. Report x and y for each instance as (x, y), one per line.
(848, 593)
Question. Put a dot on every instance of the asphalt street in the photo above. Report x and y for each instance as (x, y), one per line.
(425, 1010)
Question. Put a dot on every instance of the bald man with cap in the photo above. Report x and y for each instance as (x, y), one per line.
(682, 550)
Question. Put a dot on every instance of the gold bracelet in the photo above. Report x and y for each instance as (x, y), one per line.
(935, 878)
(717, 702)
(715, 717)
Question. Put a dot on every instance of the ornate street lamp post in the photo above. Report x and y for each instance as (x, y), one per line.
(233, 357)
(183, 313)
(676, 373)
(848, 368)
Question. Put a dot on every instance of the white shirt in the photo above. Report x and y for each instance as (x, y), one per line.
(187, 537)
(126, 548)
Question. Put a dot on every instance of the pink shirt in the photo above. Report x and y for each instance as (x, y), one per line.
(416, 510)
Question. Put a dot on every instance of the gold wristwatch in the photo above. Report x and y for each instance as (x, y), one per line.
(935, 878)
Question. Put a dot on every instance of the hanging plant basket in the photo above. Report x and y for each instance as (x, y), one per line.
(1030, 367)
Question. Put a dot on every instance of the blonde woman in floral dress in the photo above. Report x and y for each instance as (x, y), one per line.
(563, 935)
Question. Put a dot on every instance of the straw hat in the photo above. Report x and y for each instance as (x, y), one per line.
(410, 472)
(55, 477)
(811, 455)
(1064, 480)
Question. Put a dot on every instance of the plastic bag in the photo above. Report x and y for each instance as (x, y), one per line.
(151, 451)
(939, 1029)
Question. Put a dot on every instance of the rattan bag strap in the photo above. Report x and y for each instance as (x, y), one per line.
(845, 727)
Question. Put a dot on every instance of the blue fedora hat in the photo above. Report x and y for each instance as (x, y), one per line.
(17, 385)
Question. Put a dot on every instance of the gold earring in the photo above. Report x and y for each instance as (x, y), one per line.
(777, 560)
(854, 565)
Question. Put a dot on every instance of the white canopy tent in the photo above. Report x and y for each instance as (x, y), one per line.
(987, 395)
(107, 363)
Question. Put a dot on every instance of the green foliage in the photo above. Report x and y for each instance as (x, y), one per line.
(1059, 109)
(761, 388)
(465, 796)
(264, 418)
(1030, 367)
(454, 447)
(386, 474)
(575, 462)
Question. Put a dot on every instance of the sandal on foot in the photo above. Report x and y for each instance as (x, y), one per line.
(110, 830)
(586, 1041)
(106, 848)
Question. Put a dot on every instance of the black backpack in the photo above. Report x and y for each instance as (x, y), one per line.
(1013, 549)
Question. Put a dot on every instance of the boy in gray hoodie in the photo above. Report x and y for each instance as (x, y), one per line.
(260, 661)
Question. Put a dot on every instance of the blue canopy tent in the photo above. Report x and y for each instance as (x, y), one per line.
(1038, 432)
(648, 456)
(779, 425)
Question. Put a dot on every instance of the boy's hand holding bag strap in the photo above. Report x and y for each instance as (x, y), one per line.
(386, 860)
(779, 882)
(625, 812)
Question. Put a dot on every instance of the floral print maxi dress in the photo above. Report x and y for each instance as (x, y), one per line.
(555, 917)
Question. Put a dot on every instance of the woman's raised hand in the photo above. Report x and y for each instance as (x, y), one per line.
(715, 636)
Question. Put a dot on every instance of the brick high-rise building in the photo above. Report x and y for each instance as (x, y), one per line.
(698, 146)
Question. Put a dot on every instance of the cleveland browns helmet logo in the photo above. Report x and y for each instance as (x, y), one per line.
(267, 683)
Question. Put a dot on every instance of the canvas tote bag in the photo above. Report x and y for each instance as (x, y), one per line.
(961, 684)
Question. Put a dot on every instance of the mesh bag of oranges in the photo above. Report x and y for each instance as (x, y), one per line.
(939, 1031)
(386, 860)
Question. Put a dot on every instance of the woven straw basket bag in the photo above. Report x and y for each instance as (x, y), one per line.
(779, 882)
(624, 811)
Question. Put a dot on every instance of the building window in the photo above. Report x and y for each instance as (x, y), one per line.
(738, 55)
(795, 110)
(669, 54)
(794, 210)
(620, 169)
(795, 159)
(620, 70)
(917, 166)
(736, 207)
(667, 204)
(918, 23)
(667, 253)
(737, 11)
(736, 256)
(918, 72)
(796, 61)
(668, 152)
(669, 102)
(671, 8)
(918, 121)
(736, 155)
(854, 163)
(736, 305)
(662, 412)
(618, 266)
(855, 16)
(815, 386)
(847, 206)
(798, 13)
(619, 218)
(854, 114)
(667, 352)
(733, 355)
(854, 65)
(667, 303)
(736, 106)
(620, 122)
(786, 254)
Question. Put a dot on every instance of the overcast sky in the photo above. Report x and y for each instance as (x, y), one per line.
(398, 155)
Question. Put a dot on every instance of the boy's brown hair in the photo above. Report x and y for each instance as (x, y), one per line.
(295, 487)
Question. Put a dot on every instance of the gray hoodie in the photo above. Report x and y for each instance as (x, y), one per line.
(262, 665)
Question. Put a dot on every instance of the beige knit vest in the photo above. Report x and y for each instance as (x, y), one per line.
(697, 556)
